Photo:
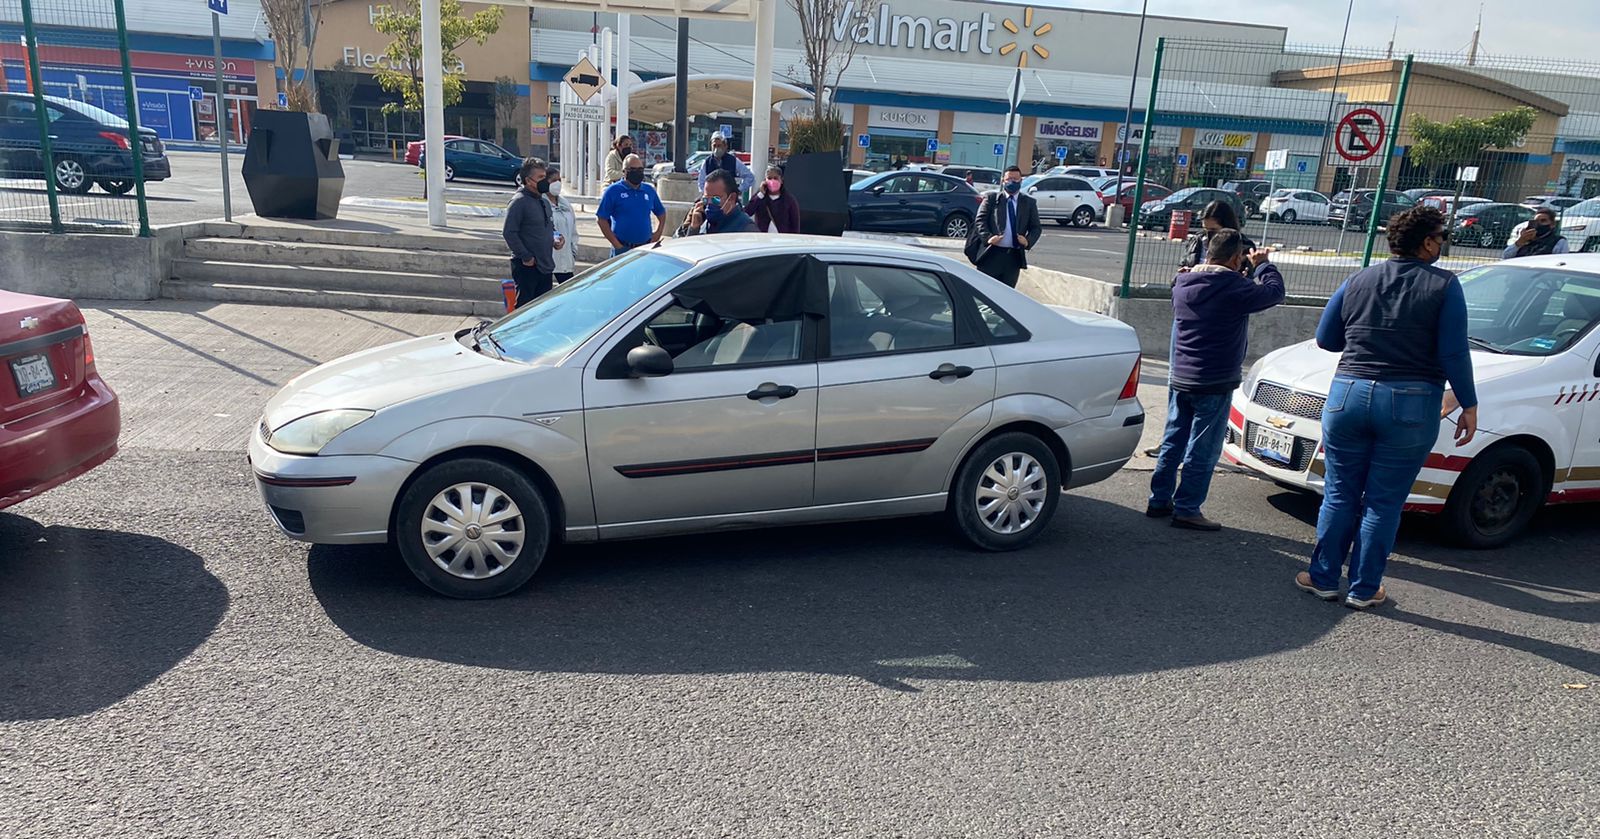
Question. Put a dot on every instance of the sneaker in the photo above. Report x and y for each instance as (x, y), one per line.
(1158, 512)
(1153, 451)
(1303, 582)
(1195, 523)
(1377, 599)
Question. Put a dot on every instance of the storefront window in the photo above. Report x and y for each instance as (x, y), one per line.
(894, 146)
(1211, 167)
(976, 149)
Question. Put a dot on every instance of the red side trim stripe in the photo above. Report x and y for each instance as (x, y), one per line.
(1449, 463)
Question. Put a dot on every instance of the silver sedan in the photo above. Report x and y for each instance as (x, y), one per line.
(713, 382)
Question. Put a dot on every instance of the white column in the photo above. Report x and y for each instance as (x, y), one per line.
(761, 101)
(608, 48)
(433, 110)
(624, 35)
(594, 163)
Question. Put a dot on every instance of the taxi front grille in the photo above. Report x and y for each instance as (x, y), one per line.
(1295, 403)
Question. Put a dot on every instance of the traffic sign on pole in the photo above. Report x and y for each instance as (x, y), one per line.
(1061, 152)
(283, 99)
(1468, 174)
(1359, 135)
(1241, 163)
(1277, 159)
(1183, 161)
(1301, 167)
(218, 6)
(933, 144)
(999, 149)
(726, 130)
(197, 94)
(584, 79)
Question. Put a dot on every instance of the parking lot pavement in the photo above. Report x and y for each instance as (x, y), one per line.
(175, 667)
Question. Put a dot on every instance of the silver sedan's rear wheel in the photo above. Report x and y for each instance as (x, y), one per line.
(472, 528)
(1006, 492)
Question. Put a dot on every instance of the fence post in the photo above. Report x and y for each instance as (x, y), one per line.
(1395, 122)
(41, 116)
(1144, 159)
(131, 105)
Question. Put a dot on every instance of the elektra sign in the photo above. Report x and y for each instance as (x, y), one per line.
(886, 30)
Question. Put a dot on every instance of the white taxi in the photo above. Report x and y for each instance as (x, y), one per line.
(1536, 363)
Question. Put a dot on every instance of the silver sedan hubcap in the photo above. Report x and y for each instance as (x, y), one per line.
(1011, 493)
(472, 531)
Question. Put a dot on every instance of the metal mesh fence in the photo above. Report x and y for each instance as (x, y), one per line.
(68, 157)
(1314, 149)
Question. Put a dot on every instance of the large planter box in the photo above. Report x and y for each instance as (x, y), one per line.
(821, 186)
(291, 166)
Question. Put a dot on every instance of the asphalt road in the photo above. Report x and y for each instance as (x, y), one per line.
(175, 667)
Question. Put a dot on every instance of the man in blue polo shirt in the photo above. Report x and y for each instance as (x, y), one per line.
(626, 208)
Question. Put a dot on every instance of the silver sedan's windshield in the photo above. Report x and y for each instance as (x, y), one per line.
(546, 330)
(1529, 311)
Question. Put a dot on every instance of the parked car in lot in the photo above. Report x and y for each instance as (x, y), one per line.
(859, 175)
(1292, 205)
(1532, 325)
(1352, 210)
(478, 159)
(1108, 195)
(1448, 204)
(981, 175)
(58, 418)
(713, 382)
(1066, 199)
(1423, 192)
(88, 146)
(1158, 214)
(1087, 172)
(925, 203)
(1559, 203)
(1250, 193)
(1488, 225)
(415, 147)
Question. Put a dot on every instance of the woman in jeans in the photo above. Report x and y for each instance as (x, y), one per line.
(1401, 327)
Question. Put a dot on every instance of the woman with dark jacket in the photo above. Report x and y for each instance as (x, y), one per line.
(1401, 329)
(1218, 215)
(773, 208)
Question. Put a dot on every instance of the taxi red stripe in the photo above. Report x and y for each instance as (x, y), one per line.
(1235, 418)
(1449, 463)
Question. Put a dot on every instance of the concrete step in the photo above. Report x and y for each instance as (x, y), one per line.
(593, 248)
(327, 299)
(355, 257)
(355, 280)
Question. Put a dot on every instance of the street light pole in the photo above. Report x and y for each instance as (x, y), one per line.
(680, 105)
(433, 110)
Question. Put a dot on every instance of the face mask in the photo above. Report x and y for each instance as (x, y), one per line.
(1541, 229)
(555, 188)
(624, 149)
(773, 184)
(543, 187)
(713, 210)
(634, 176)
(1013, 187)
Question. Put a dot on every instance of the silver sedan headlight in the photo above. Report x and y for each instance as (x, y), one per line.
(1249, 383)
(310, 433)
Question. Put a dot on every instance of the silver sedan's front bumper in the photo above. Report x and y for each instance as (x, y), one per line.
(332, 500)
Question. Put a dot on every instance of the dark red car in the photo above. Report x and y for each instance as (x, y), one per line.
(414, 149)
(58, 419)
(1152, 192)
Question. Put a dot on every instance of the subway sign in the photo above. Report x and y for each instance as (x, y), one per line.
(1234, 140)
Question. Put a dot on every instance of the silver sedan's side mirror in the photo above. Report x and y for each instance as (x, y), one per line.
(648, 361)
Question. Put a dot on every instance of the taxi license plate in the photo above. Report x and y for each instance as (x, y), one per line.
(33, 374)
(1275, 446)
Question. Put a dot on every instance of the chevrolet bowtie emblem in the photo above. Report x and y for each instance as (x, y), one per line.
(1280, 422)
(30, 323)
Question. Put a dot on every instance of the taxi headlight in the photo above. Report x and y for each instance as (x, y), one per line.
(310, 433)
(1249, 383)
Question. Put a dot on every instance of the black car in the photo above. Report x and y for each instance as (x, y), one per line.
(1488, 225)
(87, 144)
(914, 202)
(1353, 210)
(1250, 194)
(1157, 214)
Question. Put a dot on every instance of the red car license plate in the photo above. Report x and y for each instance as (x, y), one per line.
(33, 374)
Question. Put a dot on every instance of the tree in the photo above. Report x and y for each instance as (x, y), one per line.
(401, 71)
(293, 33)
(830, 30)
(338, 91)
(1462, 141)
(506, 100)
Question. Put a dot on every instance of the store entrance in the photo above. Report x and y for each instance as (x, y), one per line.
(1211, 167)
(888, 150)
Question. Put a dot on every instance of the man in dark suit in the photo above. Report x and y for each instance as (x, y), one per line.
(1008, 225)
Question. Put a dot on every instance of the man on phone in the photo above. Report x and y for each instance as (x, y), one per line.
(718, 211)
(1538, 238)
(1008, 224)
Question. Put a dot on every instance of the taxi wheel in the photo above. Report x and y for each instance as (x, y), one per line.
(1495, 498)
(1006, 492)
(472, 528)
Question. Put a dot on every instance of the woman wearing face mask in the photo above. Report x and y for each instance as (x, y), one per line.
(1218, 215)
(773, 208)
(1401, 329)
(619, 152)
(565, 222)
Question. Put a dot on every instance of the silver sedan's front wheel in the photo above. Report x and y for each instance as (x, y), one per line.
(1011, 493)
(472, 528)
(1006, 491)
(473, 531)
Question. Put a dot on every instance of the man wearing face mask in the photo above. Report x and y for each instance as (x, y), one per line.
(723, 159)
(1211, 308)
(1538, 238)
(1007, 225)
(529, 231)
(719, 210)
(626, 208)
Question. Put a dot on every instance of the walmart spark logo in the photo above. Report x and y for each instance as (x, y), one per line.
(1015, 46)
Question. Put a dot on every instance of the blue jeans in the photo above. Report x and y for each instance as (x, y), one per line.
(1375, 438)
(1196, 423)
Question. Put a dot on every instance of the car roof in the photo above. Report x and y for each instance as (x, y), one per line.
(705, 248)
(1583, 263)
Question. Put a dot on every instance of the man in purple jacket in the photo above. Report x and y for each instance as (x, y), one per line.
(1211, 308)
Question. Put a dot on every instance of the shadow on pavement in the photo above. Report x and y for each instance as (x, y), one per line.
(89, 617)
(1101, 593)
